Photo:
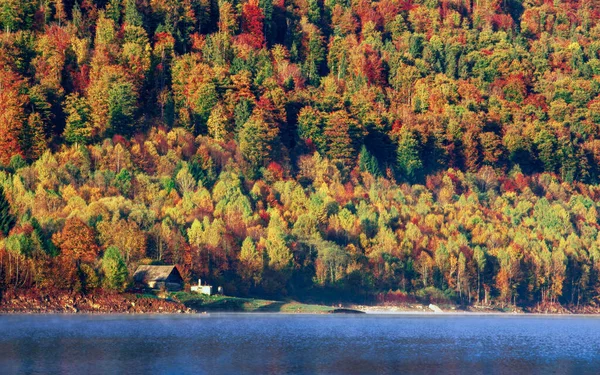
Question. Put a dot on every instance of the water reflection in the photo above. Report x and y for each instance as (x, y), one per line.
(276, 344)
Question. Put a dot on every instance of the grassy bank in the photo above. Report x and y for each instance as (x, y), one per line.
(219, 303)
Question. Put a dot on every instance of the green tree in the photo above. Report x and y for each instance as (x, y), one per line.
(257, 141)
(280, 256)
(132, 15)
(408, 157)
(7, 220)
(115, 270)
(310, 127)
(122, 105)
(251, 262)
(368, 163)
(78, 120)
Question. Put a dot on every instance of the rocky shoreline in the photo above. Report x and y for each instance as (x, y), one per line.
(100, 303)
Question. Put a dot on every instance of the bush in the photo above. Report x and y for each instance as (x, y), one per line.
(434, 295)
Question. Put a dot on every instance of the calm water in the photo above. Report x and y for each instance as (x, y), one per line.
(299, 344)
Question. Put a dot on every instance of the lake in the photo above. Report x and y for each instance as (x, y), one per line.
(299, 344)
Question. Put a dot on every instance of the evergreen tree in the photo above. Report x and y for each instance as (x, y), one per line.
(122, 101)
(368, 163)
(7, 220)
(408, 158)
(132, 15)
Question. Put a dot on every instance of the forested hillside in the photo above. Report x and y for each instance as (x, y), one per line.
(446, 149)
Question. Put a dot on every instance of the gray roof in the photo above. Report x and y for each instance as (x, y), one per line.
(154, 273)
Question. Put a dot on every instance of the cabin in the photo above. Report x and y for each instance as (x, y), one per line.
(158, 277)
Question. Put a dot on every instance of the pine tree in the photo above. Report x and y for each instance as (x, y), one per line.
(368, 163)
(7, 220)
(122, 101)
(132, 15)
(408, 158)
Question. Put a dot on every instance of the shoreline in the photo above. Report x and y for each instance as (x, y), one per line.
(182, 303)
(250, 313)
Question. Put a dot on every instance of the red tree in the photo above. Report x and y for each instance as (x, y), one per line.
(252, 25)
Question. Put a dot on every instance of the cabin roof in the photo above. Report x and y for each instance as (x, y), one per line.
(155, 273)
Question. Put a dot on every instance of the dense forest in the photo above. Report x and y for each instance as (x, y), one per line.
(443, 149)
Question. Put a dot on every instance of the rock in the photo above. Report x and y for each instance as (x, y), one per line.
(435, 308)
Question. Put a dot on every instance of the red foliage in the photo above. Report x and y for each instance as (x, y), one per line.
(521, 181)
(406, 5)
(536, 100)
(119, 139)
(508, 185)
(502, 22)
(264, 215)
(80, 78)
(433, 182)
(388, 10)
(365, 12)
(394, 298)
(252, 25)
(372, 66)
(276, 170)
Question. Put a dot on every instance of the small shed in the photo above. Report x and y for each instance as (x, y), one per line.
(202, 289)
(158, 277)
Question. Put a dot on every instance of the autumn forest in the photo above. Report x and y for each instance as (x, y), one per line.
(444, 150)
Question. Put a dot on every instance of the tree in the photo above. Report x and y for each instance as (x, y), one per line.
(122, 105)
(408, 157)
(342, 134)
(115, 270)
(133, 16)
(77, 242)
(7, 220)
(194, 91)
(258, 140)
(112, 98)
(251, 262)
(12, 115)
(481, 261)
(227, 18)
(17, 14)
(280, 256)
(126, 236)
(368, 162)
(78, 127)
(219, 124)
(252, 24)
(310, 127)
